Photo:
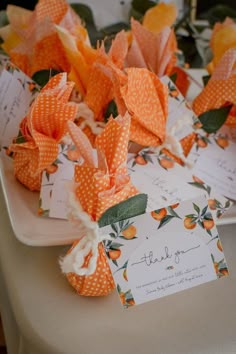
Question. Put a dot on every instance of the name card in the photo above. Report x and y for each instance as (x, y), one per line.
(158, 254)
(53, 193)
(216, 165)
(16, 94)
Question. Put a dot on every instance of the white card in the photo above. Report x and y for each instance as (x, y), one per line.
(151, 258)
(216, 166)
(53, 194)
(163, 186)
(16, 94)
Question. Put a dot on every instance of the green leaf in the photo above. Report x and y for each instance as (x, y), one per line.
(205, 79)
(111, 110)
(142, 6)
(127, 209)
(115, 228)
(112, 234)
(204, 211)
(208, 216)
(173, 213)
(213, 119)
(3, 18)
(115, 245)
(173, 77)
(218, 13)
(196, 208)
(115, 262)
(115, 28)
(84, 12)
(165, 220)
(197, 185)
(118, 288)
(209, 232)
(43, 76)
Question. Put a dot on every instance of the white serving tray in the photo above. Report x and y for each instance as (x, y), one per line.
(33, 230)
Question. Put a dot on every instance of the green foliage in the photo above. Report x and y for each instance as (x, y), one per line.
(213, 119)
(127, 209)
(43, 76)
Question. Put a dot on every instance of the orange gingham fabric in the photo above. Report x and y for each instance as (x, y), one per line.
(99, 189)
(46, 125)
(220, 89)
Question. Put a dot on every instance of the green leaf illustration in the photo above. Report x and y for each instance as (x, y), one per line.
(118, 288)
(204, 211)
(127, 209)
(196, 208)
(115, 245)
(213, 119)
(165, 220)
(173, 213)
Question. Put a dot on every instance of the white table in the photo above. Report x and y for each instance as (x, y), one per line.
(43, 315)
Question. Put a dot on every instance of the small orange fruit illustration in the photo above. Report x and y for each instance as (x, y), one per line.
(122, 298)
(125, 274)
(198, 125)
(174, 93)
(189, 223)
(52, 169)
(173, 206)
(40, 211)
(129, 232)
(114, 254)
(32, 85)
(212, 204)
(197, 180)
(140, 160)
(131, 302)
(165, 163)
(216, 267)
(159, 214)
(208, 224)
(73, 155)
(222, 142)
(224, 271)
(219, 245)
(201, 143)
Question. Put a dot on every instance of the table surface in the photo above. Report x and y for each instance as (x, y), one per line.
(52, 318)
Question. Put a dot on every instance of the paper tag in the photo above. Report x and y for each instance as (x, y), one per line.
(16, 94)
(163, 185)
(152, 255)
(179, 112)
(53, 193)
(216, 165)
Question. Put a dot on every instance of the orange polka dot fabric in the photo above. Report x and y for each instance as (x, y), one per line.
(154, 51)
(44, 125)
(39, 46)
(221, 88)
(100, 283)
(146, 100)
(99, 188)
(100, 90)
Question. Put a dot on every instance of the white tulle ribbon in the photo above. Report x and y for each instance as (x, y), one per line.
(87, 245)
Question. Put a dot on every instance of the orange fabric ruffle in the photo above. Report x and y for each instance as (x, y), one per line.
(31, 39)
(99, 188)
(220, 89)
(43, 128)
